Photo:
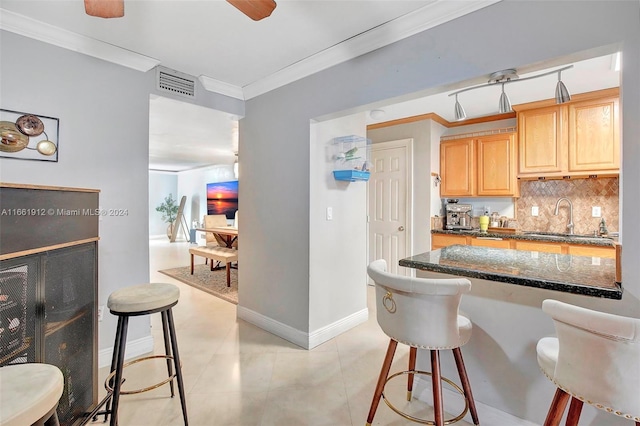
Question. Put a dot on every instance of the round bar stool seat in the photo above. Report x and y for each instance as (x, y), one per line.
(29, 394)
(143, 299)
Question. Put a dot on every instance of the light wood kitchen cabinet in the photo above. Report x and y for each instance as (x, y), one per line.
(444, 240)
(482, 166)
(560, 247)
(538, 246)
(457, 168)
(594, 136)
(542, 140)
(496, 165)
(582, 250)
(480, 242)
(576, 139)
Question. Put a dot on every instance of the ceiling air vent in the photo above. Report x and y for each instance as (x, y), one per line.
(176, 82)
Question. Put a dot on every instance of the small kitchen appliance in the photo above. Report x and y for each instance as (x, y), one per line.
(458, 215)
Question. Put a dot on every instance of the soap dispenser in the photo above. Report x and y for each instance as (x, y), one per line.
(603, 228)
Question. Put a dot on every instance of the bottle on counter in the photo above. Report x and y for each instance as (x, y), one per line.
(603, 228)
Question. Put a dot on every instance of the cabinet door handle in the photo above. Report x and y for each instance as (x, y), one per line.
(401, 228)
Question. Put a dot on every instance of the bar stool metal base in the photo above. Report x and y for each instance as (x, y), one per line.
(425, 421)
(109, 388)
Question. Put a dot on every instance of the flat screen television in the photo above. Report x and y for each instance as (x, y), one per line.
(222, 198)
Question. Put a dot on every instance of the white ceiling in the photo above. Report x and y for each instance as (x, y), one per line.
(233, 55)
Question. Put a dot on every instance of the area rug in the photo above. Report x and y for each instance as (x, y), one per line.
(212, 282)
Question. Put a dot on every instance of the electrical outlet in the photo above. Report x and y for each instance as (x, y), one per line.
(100, 312)
(329, 213)
(203, 237)
(535, 211)
(596, 211)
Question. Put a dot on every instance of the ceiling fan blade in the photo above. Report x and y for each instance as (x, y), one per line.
(104, 8)
(254, 9)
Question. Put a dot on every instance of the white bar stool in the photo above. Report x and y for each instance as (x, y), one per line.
(29, 394)
(422, 313)
(595, 359)
(143, 299)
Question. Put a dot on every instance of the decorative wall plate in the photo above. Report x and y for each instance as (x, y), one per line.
(30, 125)
(12, 139)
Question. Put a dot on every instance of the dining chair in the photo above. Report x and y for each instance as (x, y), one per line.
(215, 221)
(595, 358)
(423, 314)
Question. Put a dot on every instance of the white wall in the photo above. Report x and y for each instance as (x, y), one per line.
(337, 290)
(275, 150)
(161, 184)
(104, 144)
(103, 111)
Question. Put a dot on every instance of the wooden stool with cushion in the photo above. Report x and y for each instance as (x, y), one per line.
(595, 359)
(29, 394)
(422, 313)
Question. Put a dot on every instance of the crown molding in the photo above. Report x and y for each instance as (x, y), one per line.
(432, 15)
(213, 85)
(429, 16)
(29, 27)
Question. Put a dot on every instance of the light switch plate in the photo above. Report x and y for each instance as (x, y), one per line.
(534, 211)
(596, 211)
(329, 213)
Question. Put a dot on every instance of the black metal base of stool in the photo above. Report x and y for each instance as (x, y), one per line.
(113, 383)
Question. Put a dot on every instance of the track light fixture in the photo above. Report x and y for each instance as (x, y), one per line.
(505, 104)
(510, 76)
(459, 111)
(562, 94)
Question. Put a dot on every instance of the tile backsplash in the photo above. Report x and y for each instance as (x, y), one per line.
(583, 193)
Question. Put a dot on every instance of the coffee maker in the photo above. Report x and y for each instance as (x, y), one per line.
(458, 216)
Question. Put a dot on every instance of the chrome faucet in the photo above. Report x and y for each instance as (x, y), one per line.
(570, 224)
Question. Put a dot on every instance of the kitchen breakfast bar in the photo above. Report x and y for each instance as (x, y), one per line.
(589, 276)
(504, 306)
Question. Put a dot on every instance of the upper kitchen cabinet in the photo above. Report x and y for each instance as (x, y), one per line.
(541, 132)
(483, 166)
(579, 138)
(457, 168)
(496, 165)
(594, 137)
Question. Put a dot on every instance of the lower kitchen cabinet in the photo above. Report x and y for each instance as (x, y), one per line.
(444, 240)
(538, 246)
(506, 244)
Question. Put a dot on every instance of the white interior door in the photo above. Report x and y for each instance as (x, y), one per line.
(389, 198)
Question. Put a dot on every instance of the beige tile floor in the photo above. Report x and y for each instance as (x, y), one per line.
(238, 374)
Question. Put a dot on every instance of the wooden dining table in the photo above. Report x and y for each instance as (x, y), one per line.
(229, 234)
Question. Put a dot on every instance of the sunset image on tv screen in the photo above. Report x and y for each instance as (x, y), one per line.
(222, 198)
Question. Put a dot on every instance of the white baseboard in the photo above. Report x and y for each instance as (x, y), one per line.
(134, 349)
(300, 338)
(291, 334)
(332, 330)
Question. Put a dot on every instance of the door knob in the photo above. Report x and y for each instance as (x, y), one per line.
(401, 228)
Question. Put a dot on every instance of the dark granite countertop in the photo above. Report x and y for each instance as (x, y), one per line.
(560, 272)
(534, 236)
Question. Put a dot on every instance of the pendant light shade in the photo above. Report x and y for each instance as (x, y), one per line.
(459, 111)
(504, 105)
(562, 94)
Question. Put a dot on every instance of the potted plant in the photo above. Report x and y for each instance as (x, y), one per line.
(169, 210)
